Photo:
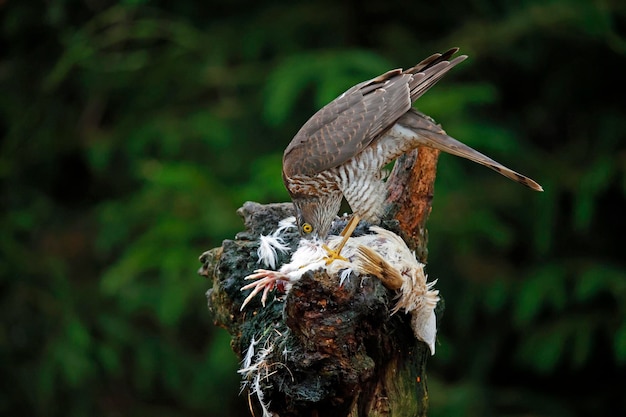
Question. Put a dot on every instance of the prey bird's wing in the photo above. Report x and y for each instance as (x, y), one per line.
(348, 124)
(433, 136)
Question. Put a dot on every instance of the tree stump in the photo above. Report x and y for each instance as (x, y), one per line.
(325, 349)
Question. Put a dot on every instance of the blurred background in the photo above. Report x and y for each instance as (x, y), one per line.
(132, 131)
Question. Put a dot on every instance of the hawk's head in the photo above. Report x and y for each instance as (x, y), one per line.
(315, 214)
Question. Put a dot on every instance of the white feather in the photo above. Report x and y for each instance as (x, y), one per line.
(344, 275)
(268, 247)
(247, 359)
(285, 224)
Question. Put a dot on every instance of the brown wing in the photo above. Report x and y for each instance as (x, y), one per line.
(348, 124)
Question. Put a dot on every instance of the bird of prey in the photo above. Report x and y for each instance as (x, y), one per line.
(341, 150)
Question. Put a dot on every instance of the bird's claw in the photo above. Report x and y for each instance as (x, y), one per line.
(266, 281)
(333, 255)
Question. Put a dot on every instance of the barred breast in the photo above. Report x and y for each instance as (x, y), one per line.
(361, 179)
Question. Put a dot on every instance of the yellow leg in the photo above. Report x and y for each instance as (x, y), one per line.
(334, 254)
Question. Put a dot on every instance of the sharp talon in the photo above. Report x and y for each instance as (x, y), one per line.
(333, 255)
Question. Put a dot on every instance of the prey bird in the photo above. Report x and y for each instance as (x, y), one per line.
(379, 253)
(341, 150)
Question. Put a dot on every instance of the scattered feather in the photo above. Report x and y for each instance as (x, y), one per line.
(269, 246)
(344, 275)
(285, 224)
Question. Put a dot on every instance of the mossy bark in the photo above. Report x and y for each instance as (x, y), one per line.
(325, 349)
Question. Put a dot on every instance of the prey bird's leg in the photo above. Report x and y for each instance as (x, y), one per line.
(335, 254)
(265, 280)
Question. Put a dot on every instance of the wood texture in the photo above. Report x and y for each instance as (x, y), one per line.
(411, 187)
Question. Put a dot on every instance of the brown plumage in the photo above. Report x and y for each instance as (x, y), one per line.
(340, 151)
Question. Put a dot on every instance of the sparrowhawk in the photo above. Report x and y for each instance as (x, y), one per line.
(341, 150)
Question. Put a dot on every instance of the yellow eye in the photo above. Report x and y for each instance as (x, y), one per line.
(307, 228)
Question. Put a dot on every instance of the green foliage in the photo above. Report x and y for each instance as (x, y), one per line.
(133, 130)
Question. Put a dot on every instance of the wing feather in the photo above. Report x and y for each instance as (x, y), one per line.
(348, 124)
